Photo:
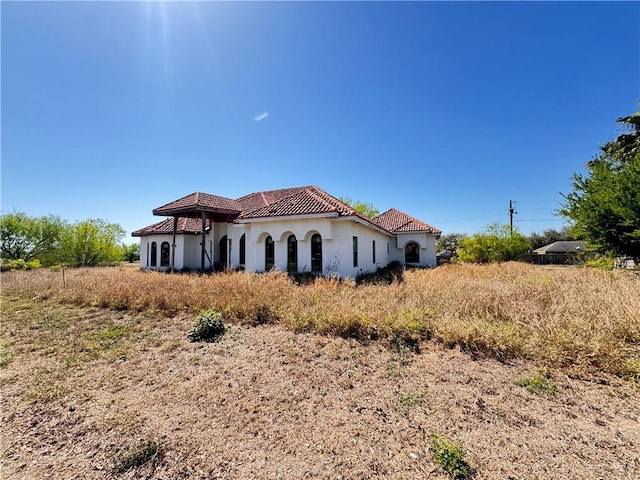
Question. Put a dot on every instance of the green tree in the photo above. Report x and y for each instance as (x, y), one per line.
(29, 238)
(604, 206)
(450, 241)
(131, 253)
(495, 244)
(366, 209)
(92, 242)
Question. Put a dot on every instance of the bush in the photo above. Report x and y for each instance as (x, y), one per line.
(450, 456)
(22, 265)
(208, 327)
(496, 244)
(603, 262)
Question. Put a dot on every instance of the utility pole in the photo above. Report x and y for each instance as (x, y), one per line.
(512, 212)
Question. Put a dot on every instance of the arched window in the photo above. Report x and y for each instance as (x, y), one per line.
(165, 254)
(154, 254)
(243, 250)
(316, 253)
(269, 253)
(223, 251)
(292, 254)
(412, 253)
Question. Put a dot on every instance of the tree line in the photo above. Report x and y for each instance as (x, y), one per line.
(31, 242)
(604, 206)
(498, 243)
(603, 209)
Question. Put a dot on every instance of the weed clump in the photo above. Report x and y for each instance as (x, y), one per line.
(137, 456)
(450, 456)
(382, 276)
(207, 327)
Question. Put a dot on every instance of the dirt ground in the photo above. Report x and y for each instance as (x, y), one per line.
(264, 403)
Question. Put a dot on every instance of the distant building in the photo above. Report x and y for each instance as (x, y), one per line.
(558, 253)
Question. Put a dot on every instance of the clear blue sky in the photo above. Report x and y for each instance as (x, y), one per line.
(444, 110)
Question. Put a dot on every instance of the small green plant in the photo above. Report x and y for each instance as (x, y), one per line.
(394, 370)
(541, 383)
(450, 456)
(137, 456)
(207, 327)
(111, 336)
(7, 353)
(411, 399)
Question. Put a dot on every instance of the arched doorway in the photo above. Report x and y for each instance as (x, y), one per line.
(412, 253)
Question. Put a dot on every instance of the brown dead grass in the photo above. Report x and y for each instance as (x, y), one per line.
(94, 393)
(579, 319)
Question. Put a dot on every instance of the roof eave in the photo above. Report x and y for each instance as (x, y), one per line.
(287, 217)
(192, 212)
(431, 232)
(369, 223)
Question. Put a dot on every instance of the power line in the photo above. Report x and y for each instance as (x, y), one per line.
(541, 220)
(468, 219)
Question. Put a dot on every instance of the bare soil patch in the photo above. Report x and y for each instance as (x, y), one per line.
(93, 393)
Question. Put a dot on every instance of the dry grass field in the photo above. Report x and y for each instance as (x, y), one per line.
(534, 372)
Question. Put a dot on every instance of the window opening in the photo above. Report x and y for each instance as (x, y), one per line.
(269, 253)
(316, 253)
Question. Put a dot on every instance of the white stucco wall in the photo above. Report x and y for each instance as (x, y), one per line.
(427, 243)
(340, 252)
(337, 245)
(145, 251)
(187, 252)
(279, 230)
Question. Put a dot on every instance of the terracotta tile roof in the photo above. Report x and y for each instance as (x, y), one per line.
(257, 200)
(203, 202)
(185, 225)
(300, 201)
(396, 221)
(283, 202)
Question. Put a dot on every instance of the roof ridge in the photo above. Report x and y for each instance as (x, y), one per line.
(313, 190)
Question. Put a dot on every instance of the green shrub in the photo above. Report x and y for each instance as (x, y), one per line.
(22, 265)
(603, 262)
(498, 243)
(208, 327)
(450, 456)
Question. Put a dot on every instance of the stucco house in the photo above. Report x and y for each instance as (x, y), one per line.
(300, 229)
